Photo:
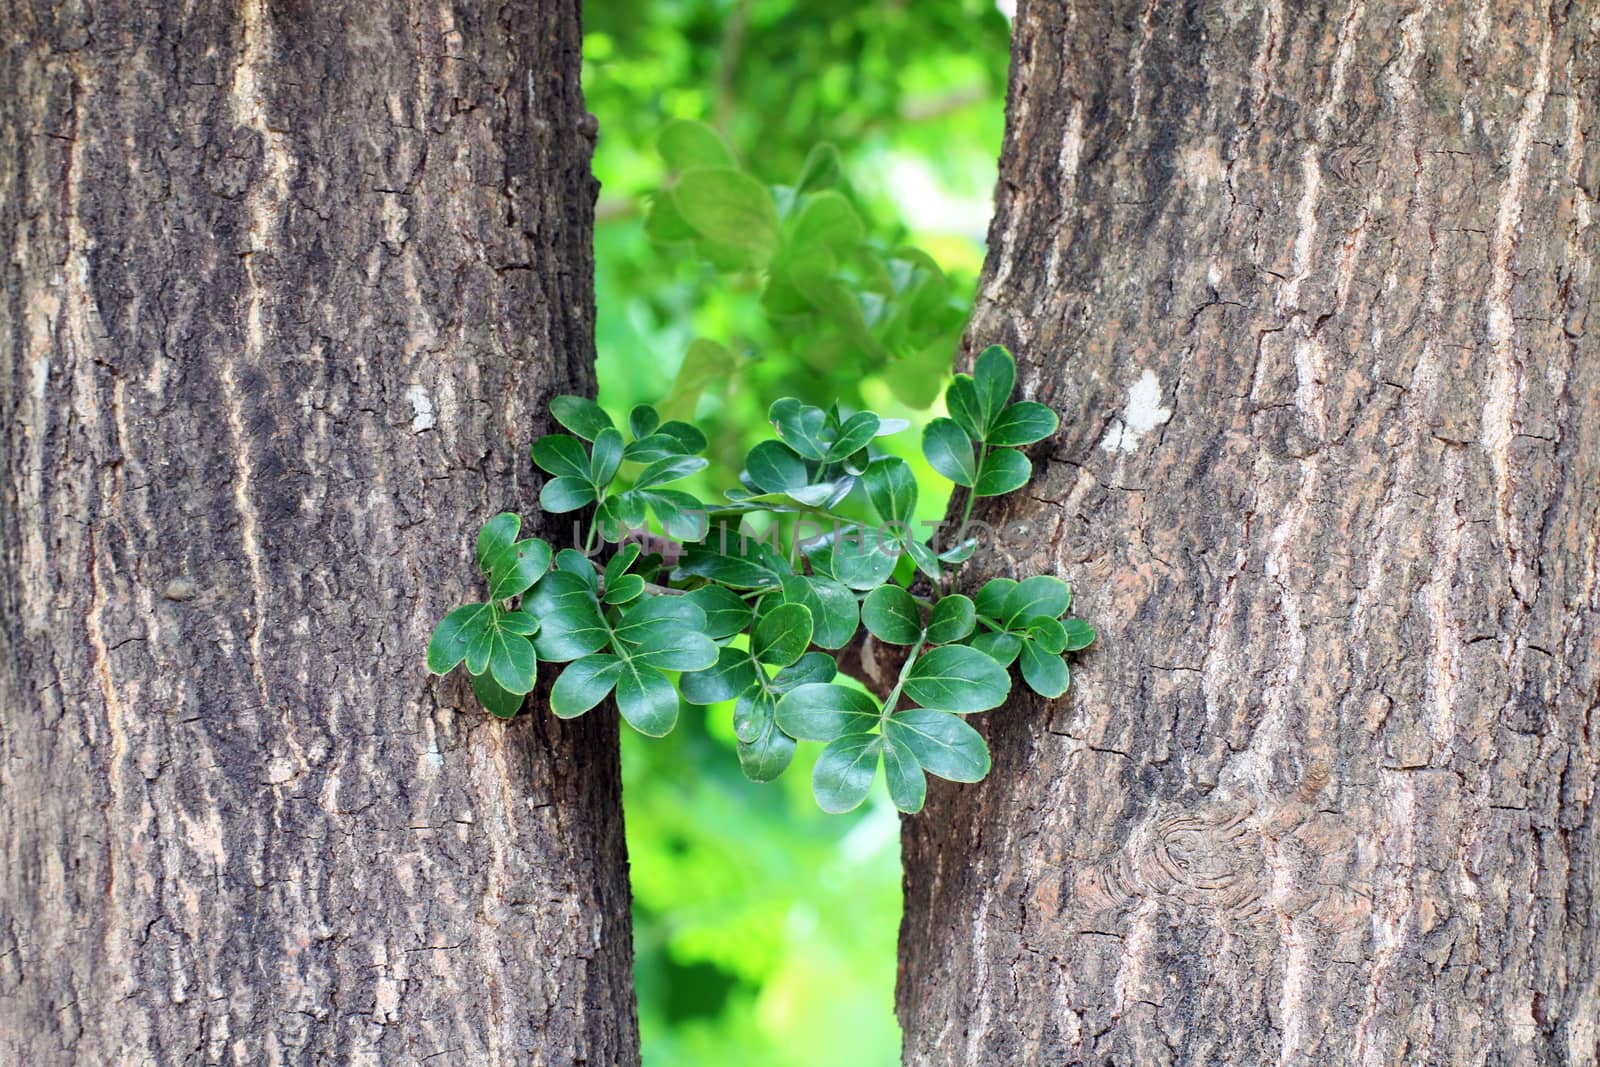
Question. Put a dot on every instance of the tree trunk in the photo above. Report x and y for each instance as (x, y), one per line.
(1311, 284)
(287, 287)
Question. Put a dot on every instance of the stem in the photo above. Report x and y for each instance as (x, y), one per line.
(893, 698)
(588, 541)
(972, 492)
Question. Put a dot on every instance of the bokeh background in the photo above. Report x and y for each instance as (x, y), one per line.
(765, 930)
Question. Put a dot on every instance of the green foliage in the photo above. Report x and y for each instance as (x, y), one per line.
(847, 297)
(733, 618)
(757, 914)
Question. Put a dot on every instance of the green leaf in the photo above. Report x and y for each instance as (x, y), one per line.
(565, 494)
(860, 557)
(960, 552)
(732, 674)
(1044, 671)
(571, 561)
(995, 375)
(991, 601)
(683, 517)
(663, 223)
(647, 699)
(730, 207)
(922, 556)
(1000, 647)
(642, 421)
(773, 467)
(782, 635)
(495, 535)
(821, 170)
(908, 786)
(811, 667)
(770, 751)
(651, 615)
(742, 566)
(1022, 424)
(580, 415)
(519, 622)
(618, 564)
(957, 678)
(627, 587)
(705, 363)
(942, 743)
(834, 610)
(653, 447)
(516, 568)
(752, 711)
(448, 645)
(684, 144)
(822, 711)
(1042, 594)
(949, 451)
(480, 644)
(584, 683)
(892, 488)
(800, 426)
(1002, 471)
(499, 701)
(512, 662)
(961, 400)
(854, 434)
(606, 459)
(690, 440)
(675, 649)
(726, 612)
(570, 625)
(827, 219)
(952, 619)
(1049, 633)
(561, 455)
(891, 615)
(1080, 635)
(844, 772)
(669, 469)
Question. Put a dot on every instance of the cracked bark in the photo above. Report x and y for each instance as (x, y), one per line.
(1326, 790)
(287, 288)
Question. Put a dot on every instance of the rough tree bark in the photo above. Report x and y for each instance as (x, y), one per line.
(287, 287)
(1314, 287)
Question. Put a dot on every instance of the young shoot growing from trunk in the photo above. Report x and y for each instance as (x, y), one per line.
(717, 611)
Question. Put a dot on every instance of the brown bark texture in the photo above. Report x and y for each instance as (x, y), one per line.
(1313, 285)
(287, 286)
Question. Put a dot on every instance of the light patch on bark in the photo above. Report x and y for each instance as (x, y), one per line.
(1442, 672)
(1500, 405)
(1391, 911)
(421, 408)
(1067, 167)
(267, 202)
(250, 110)
(1142, 413)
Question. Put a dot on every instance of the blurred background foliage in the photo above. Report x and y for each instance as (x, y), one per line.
(794, 198)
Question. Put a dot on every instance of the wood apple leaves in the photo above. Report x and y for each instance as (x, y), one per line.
(891, 615)
(957, 678)
(781, 635)
(951, 619)
(843, 773)
(943, 744)
(739, 623)
(949, 451)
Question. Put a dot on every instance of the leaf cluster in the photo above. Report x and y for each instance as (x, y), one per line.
(734, 619)
(860, 301)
